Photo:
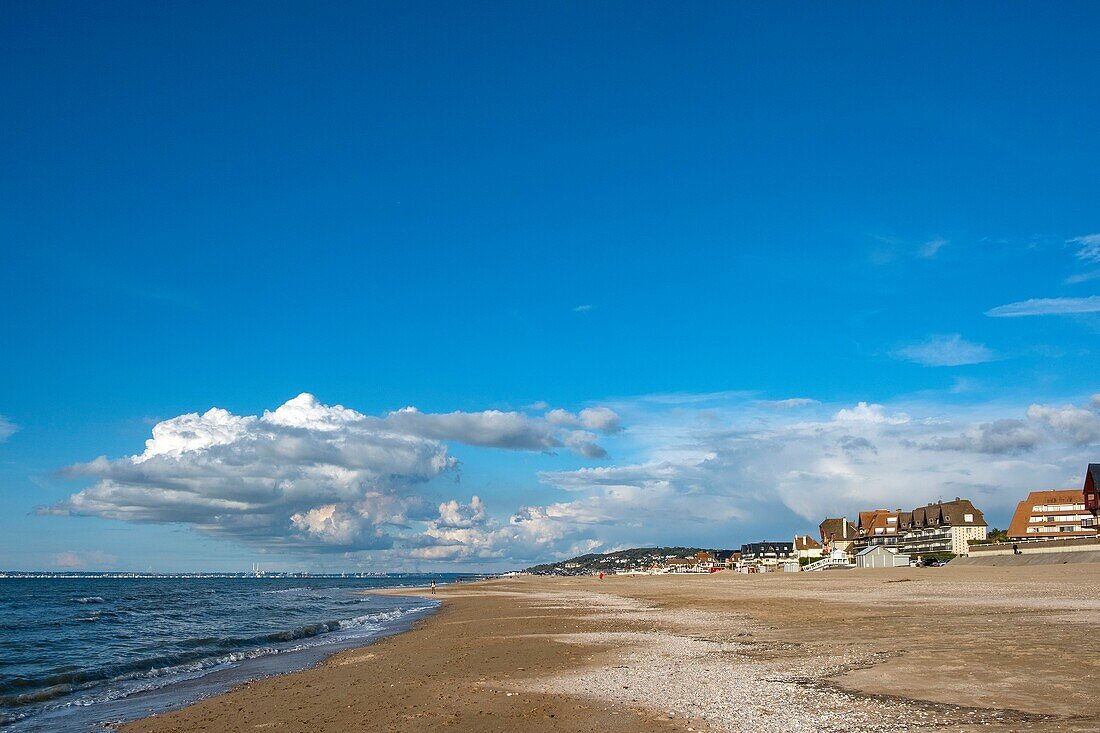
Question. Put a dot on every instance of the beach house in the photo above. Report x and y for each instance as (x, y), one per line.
(881, 556)
(806, 547)
(837, 534)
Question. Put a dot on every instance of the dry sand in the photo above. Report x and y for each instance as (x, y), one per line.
(946, 649)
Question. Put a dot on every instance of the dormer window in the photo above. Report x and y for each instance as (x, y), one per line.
(968, 518)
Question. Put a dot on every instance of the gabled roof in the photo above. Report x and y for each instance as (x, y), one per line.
(806, 542)
(949, 513)
(1094, 474)
(877, 519)
(833, 529)
(875, 548)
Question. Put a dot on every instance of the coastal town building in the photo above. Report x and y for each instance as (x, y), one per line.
(837, 534)
(1055, 513)
(806, 547)
(879, 527)
(943, 527)
(766, 555)
(880, 556)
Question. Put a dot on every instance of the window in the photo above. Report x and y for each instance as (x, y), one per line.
(968, 517)
(1067, 528)
(891, 520)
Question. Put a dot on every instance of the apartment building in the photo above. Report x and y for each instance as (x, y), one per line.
(1056, 513)
(946, 526)
(879, 527)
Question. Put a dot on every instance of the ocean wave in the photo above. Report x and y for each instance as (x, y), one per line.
(90, 599)
(199, 659)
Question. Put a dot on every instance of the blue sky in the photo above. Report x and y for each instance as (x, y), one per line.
(682, 216)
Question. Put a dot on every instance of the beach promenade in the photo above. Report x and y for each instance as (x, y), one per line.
(945, 649)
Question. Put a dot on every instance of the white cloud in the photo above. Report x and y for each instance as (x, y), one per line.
(1047, 307)
(7, 428)
(756, 471)
(305, 475)
(946, 350)
(869, 413)
(1073, 424)
(1089, 247)
(602, 419)
(932, 247)
(582, 308)
(717, 471)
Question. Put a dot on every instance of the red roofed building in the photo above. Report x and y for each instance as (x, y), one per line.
(1056, 513)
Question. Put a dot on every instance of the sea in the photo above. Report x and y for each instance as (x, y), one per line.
(78, 654)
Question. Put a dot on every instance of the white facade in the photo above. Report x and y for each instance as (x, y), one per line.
(878, 556)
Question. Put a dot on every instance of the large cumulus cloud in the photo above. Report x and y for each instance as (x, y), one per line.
(306, 475)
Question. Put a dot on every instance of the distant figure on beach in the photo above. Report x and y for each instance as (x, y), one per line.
(1015, 549)
(433, 586)
(601, 576)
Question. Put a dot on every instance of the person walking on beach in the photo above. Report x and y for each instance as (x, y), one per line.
(433, 586)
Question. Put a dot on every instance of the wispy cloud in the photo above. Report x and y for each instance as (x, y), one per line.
(946, 350)
(583, 308)
(932, 247)
(788, 403)
(1083, 277)
(7, 428)
(1047, 307)
(1089, 244)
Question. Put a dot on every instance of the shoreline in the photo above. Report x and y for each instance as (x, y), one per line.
(916, 649)
(114, 702)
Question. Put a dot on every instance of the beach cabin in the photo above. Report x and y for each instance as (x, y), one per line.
(879, 556)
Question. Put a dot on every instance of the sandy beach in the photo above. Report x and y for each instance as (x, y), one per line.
(946, 649)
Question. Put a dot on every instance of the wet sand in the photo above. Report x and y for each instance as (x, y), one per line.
(946, 649)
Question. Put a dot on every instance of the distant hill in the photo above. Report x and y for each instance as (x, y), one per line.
(637, 558)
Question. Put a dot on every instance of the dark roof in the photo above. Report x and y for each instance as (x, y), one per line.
(1094, 471)
(947, 513)
(761, 548)
(834, 529)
